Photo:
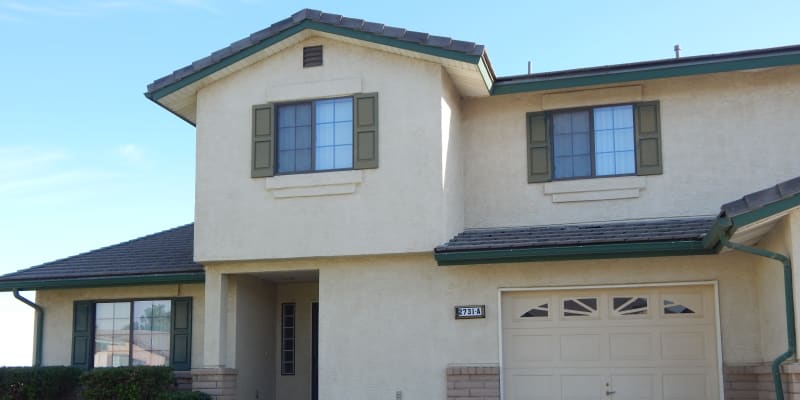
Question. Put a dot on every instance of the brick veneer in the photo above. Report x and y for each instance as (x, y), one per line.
(183, 380)
(754, 382)
(220, 383)
(470, 382)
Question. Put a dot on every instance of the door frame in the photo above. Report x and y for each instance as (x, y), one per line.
(713, 283)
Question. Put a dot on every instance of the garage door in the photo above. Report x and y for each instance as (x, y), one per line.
(610, 344)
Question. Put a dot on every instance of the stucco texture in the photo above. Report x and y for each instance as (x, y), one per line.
(386, 322)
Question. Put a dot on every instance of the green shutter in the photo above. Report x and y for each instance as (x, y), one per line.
(82, 326)
(538, 149)
(181, 341)
(648, 139)
(263, 163)
(365, 131)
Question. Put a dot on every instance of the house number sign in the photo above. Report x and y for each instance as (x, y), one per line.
(469, 312)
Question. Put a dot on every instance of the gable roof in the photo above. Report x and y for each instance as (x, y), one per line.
(163, 257)
(315, 19)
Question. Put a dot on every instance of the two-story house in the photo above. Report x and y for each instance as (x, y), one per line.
(379, 216)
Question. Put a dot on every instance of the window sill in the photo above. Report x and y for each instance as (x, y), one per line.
(594, 189)
(314, 184)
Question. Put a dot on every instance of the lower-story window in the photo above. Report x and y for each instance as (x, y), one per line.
(119, 333)
(132, 333)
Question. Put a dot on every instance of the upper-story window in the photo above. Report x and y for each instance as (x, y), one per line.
(315, 135)
(597, 141)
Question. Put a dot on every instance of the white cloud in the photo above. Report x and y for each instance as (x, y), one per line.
(45, 9)
(131, 153)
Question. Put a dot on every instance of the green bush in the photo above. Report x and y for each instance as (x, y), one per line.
(38, 383)
(127, 383)
(184, 396)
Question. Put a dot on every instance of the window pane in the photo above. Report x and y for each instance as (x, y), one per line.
(580, 143)
(286, 161)
(324, 134)
(562, 123)
(302, 160)
(302, 137)
(580, 122)
(344, 132)
(562, 145)
(325, 111)
(286, 138)
(563, 167)
(302, 115)
(343, 156)
(285, 116)
(614, 140)
(325, 157)
(152, 321)
(582, 165)
(344, 110)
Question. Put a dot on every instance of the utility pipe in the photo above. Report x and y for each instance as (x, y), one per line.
(37, 352)
(788, 297)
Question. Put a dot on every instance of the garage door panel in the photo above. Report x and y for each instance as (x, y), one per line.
(631, 346)
(532, 348)
(645, 343)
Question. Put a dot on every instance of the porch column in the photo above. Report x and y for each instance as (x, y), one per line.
(215, 378)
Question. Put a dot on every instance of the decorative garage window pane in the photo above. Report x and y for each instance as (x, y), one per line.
(540, 311)
(287, 338)
(613, 141)
(670, 307)
(132, 333)
(628, 305)
(682, 304)
(580, 307)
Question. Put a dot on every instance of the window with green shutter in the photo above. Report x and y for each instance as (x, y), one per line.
(315, 135)
(112, 333)
(614, 140)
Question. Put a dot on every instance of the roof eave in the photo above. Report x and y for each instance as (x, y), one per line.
(605, 76)
(576, 252)
(107, 281)
(479, 60)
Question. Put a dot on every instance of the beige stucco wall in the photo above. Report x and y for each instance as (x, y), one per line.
(398, 207)
(723, 136)
(386, 322)
(254, 329)
(58, 303)
(452, 158)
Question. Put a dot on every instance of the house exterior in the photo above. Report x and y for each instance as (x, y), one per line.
(379, 216)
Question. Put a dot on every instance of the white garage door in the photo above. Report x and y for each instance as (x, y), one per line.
(610, 344)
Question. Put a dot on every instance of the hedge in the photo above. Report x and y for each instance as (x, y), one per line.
(61, 383)
(40, 383)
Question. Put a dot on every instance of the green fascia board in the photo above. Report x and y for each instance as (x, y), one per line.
(579, 252)
(369, 37)
(765, 211)
(163, 279)
(649, 73)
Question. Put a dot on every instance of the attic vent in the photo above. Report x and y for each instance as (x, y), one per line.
(312, 56)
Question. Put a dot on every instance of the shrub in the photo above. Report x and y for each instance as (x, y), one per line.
(127, 383)
(38, 383)
(184, 396)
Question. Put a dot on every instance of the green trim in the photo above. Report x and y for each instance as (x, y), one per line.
(369, 37)
(578, 252)
(602, 78)
(765, 211)
(486, 74)
(39, 284)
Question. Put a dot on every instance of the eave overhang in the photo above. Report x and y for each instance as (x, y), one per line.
(107, 281)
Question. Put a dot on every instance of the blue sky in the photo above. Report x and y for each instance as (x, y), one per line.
(86, 161)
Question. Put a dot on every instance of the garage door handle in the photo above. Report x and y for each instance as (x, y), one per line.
(610, 392)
